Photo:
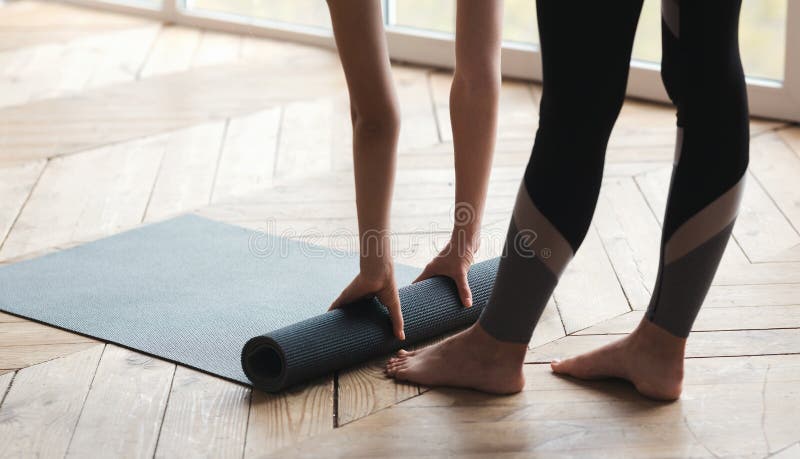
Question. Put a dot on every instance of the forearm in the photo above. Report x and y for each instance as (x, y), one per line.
(374, 157)
(473, 115)
(474, 100)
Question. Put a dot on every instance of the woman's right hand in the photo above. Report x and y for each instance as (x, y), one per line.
(377, 281)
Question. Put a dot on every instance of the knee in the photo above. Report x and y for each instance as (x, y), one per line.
(377, 124)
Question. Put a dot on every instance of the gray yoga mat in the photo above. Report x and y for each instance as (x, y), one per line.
(229, 301)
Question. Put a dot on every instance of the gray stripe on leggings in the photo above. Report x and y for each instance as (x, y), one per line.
(546, 240)
(683, 284)
(710, 220)
(521, 290)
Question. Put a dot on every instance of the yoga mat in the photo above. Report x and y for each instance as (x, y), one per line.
(229, 301)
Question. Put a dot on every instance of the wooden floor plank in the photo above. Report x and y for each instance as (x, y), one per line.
(791, 136)
(295, 414)
(155, 105)
(64, 68)
(762, 229)
(31, 333)
(518, 115)
(172, 51)
(16, 184)
(721, 414)
(206, 416)
(123, 410)
(6, 376)
(640, 124)
(701, 344)
(712, 319)
(306, 139)
(6, 318)
(550, 326)
(54, 16)
(39, 414)
(418, 125)
(247, 163)
(123, 54)
(187, 169)
(439, 83)
(16, 357)
(53, 27)
(631, 236)
(776, 167)
(37, 79)
(759, 273)
(217, 48)
(366, 389)
(588, 291)
(64, 207)
(720, 296)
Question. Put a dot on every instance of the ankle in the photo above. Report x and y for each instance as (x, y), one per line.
(657, 342)
(489, 347)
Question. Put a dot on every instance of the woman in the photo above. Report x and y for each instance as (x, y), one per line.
(358, 28)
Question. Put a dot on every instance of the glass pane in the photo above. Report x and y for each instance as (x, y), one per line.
(762, 36)
(519, 22)
(150, 4)
(519, 19)
(439, 16)
(302, 12)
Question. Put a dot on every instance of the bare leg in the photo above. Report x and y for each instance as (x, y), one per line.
(473, 358)
(474, 98)
(360, 39)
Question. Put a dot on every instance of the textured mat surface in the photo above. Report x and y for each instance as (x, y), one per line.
(194, 291)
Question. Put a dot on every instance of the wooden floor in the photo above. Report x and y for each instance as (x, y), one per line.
(108, 122)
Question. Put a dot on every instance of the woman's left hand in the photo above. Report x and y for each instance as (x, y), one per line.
(454, 262)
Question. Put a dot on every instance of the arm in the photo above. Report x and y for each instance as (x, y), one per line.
(474, 98)
(358, 28)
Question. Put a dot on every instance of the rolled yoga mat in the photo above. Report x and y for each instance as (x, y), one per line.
(195, 291)
(358, 332)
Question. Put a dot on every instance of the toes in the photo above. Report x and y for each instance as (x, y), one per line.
(557, 365)
(405, 353)
(564, 366)
(390, 368)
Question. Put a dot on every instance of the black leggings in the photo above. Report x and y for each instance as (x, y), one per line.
(586, 52)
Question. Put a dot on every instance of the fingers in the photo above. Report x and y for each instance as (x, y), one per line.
(427, 273)
(464, 291)
(391, 300)
(351, 293)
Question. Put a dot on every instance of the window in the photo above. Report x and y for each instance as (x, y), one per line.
(311, 13)
(519, 21)
(421, 31)
(762, 36)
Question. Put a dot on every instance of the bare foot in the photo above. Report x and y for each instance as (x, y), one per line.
(650, 358)
(471, 359)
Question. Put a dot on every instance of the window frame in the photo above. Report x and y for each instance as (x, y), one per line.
(769, 99)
